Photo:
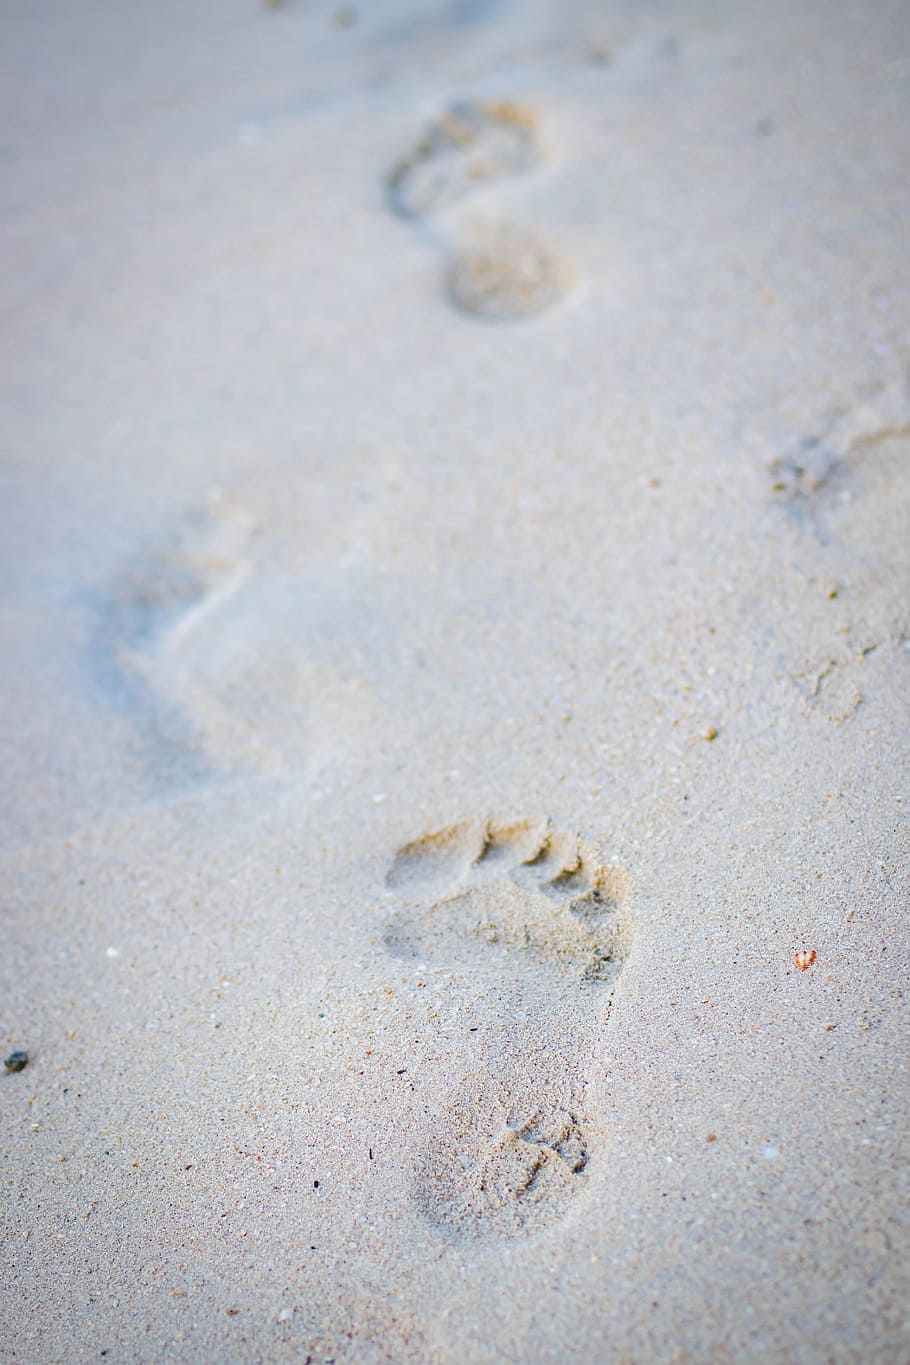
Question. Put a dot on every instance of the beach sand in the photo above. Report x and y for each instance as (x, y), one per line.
(456, 636)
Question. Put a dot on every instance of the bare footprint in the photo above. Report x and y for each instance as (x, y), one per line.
(831, 689)
(145, 645)
(535, 932)
(474, 142)
(848, 487)
(242, 642)
(498, 272)
(506, 274)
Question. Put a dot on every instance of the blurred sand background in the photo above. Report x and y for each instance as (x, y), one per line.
(456, 638)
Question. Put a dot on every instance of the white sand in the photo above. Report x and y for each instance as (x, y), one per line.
(568, 484)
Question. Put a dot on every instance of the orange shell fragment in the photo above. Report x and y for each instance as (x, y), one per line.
(804, 959)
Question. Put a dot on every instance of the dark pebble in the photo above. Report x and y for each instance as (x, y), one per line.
(16, 1061)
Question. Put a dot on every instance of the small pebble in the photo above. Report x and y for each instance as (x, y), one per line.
(710, 733)
(16, 1061)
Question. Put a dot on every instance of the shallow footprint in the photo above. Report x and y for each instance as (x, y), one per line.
(474, 142)
(145, 652)
(821, 477)
(501, 273)
(534, 933)
(506, 274)
(848, 487)
(497, 1167)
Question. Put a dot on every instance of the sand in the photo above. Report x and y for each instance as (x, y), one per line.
(455, 495)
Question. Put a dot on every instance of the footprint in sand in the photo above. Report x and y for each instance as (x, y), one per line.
(821, 478)
(498, 272)
(152, 652)
(848, 487)
(472, 143)
(534, 933)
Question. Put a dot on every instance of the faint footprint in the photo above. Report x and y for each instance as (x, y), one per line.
(496, 272)
(506, 274)
(498, 1167)
(831, 691)
(820, 475)
(535, 933)
(848, 486)
(145, 645)
(244, 643)
(474, 142)
(806, 479)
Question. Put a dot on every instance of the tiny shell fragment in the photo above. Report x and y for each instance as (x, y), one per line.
(804, 958)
